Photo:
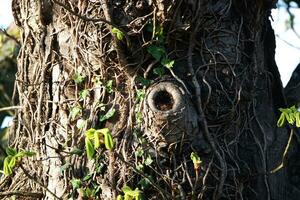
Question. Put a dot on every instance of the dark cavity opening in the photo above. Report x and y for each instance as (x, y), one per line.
(163, 101)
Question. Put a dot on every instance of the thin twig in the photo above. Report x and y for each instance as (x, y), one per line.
(10, 108)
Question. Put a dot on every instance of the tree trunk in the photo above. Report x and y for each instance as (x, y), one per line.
(167, 78)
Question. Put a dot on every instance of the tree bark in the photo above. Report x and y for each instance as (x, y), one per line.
(168, 78)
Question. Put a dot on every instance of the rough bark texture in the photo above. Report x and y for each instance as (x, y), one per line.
(220, 99)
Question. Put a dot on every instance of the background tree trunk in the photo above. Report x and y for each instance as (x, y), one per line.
(112, 62)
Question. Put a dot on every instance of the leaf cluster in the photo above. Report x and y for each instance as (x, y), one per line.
(12, 159)
(94, 138)
(289, 115)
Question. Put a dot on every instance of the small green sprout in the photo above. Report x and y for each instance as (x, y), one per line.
(98, 137)
(78, 78)
(118, 33)
(196, 160)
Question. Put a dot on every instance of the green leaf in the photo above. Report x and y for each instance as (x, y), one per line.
(120, 197)
(148, 161)
(81, 123)
(12, 162)
(139, 197)
(65, 166)
(25, 153)
(108, 115)
(96, 139)
(160, 71)
(118, 33)
(90, 151)
(143, 81)
(87, 177)
(10, 151)
(167, 63)
(78, 78)
(6, 168)
(83, 94)
(76, 183)
(139, 117)
(88, 192)
(140, 166)
(76, 151)
(290, 118)
(100, 168)
(297, 118)
(140, 95)
(126, 189)
(159, 32)
(281, 120)
(109, 86)
(108, 140)
(145, 183)
(156, 51)
(133, 193)
(196, 160)
(139, 152)
(75, 111)
(90, 133)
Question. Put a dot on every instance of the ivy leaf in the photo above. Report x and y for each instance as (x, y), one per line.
(78, 78)
(156, 51)
(90, 151)
(75, 111)
(87, 177)
(6, 168)
(148, 161)
(22, 154)
(81, 123)
(297, 118)
(133, 193)
(76, 183)
(168, 63)
(12, 162)
(126, 189)
(90, 133)
(140, 166)
(143, 81)
(76, 151)
(108, 140)
(96, 139)
(139, 117)
(65, 167)
(109, 86)
(108, 115)
(10, 151)
(139, 152)
(140, 94)
(281, 120)
(83, 94)
(145, 183)
(160, 71)
(118, 33)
